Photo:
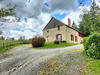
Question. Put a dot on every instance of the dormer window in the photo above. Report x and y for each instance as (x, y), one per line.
(58, 27)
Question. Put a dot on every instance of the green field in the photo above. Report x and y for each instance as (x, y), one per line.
(5, 41)
(52, 45)
(8, 47)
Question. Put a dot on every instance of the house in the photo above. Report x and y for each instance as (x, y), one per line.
(57, 30)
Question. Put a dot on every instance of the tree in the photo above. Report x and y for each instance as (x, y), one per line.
(21, 38)
(5, 11)
(2, 38)
(12, 38)
(84, 25)
(74, 25)
(7, 38)
(89, 20)
(93, 14)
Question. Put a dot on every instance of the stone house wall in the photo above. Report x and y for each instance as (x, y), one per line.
(66, 34)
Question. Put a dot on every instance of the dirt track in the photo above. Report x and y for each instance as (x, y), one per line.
(24, 60)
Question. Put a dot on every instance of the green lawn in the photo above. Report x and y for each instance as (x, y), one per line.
(52, 45)
(93, 66)
(5, 41)
(9, 47)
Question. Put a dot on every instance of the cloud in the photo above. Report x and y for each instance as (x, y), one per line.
(27, 33)
(35, 7)
(37, 15)
(74, 16)
(23, 28)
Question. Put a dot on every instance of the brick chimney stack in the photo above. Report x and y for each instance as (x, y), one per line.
(69, 22)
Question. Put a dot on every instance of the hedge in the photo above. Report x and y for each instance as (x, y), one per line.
(92, 45)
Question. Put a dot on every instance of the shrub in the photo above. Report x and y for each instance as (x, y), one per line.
(38, 41)
(56, 42)
(92, 45)
(64, 41)
(85, 43)
(26, 42)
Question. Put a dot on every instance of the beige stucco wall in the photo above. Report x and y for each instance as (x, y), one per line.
(66, 34)
(53, 32)
(74, 33)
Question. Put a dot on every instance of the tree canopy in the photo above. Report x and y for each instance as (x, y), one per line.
(74, 25)
(89, 20)
(4, 12)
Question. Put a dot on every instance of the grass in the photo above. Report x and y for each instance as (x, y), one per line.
(9, 47)
(93, 66)
(52, 45)
(5, 41)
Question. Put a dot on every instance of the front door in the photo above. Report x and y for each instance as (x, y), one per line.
(59, 37)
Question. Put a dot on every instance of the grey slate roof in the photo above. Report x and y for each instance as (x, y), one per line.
(53, 23)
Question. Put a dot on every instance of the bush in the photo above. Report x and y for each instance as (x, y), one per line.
(56, 42)
(64, 41)
(26, 42)
(92, 45)
(38, 41)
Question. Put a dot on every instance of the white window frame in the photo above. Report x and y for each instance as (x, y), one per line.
(48, 38)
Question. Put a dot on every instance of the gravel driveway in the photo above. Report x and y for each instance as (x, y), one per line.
(24, 60)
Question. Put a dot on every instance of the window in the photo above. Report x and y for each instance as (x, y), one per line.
(47, 37)
(72, 38)
(76, 38)
(58, 27)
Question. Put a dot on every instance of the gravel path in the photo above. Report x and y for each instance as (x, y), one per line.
(24, 60)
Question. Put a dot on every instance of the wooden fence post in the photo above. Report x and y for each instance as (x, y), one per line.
(10, 43)
(3, 45)
(7, 45)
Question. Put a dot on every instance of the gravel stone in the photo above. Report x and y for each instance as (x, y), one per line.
(25, 60)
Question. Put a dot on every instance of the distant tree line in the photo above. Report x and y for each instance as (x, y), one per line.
(8, 38)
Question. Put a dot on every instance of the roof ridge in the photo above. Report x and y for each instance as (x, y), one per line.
(59, 20)
(48, 23)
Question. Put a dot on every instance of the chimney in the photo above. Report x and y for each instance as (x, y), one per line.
(69, 22)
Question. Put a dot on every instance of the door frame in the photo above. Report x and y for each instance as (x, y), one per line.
(57, 37)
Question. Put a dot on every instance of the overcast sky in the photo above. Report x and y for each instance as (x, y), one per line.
(36, 14)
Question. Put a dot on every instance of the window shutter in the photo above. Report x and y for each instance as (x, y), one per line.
(72, 38)
(58, 27)
(76, 38)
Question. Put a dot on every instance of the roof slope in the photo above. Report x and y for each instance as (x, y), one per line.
(53, 23)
